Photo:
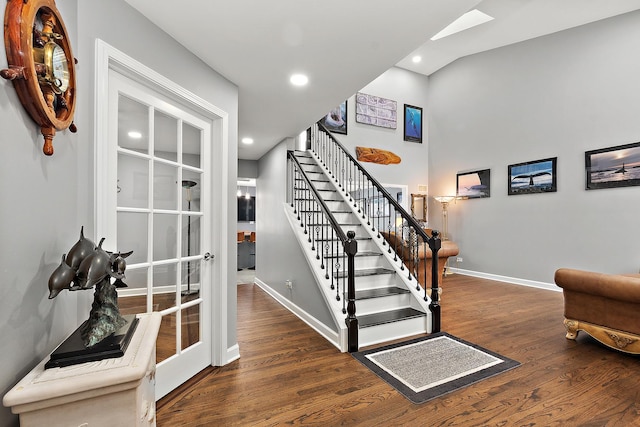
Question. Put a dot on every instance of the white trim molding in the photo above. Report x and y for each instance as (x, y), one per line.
(506, 279)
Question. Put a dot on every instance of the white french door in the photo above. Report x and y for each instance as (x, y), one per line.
(158, 204)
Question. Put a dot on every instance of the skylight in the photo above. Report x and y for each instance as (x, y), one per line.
(468, 20)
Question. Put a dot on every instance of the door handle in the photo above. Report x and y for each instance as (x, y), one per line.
(208, 256)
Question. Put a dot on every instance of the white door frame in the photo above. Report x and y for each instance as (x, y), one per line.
(108, 57)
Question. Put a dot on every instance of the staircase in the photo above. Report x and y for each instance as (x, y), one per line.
(389, 304)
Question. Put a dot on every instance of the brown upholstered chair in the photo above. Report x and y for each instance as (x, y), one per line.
(447, 249)
(606, 306)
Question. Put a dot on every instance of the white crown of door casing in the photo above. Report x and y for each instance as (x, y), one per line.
(109, 58)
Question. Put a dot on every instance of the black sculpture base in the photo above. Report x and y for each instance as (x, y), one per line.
(72, 351)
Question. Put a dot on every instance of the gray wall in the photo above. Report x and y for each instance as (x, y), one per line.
(247, 168)
(278, 254)
(405, 87)
(48, 199)
(558, 95)
(40, 218)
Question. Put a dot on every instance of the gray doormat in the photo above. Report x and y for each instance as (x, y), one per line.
(428, 367)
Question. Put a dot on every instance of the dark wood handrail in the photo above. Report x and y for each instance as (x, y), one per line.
(405, 215)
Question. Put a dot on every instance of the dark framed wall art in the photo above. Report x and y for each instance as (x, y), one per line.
(611, 167)
(412, 123)
(538, 176)
(473, 185)
(336, 119)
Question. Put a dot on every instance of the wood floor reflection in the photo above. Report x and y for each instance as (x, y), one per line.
(166, 342)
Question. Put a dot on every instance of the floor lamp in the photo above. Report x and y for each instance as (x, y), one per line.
(188, 185)
(445, 200)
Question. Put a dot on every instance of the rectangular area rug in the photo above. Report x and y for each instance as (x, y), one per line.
(428, 367)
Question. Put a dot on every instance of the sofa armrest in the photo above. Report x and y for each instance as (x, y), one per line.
(613, 286)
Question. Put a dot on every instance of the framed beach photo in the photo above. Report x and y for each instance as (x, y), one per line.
(473, 185)
(613, 167)
(412, 123)
(538, 176)
(336, 119)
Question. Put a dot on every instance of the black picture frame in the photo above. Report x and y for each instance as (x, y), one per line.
(336, 119)
(612, 167)
(412, 123)
(537, 176)
(474, 184)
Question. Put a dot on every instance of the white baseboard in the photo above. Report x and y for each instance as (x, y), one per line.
(330, 335)
(233, 353)
(506, 279)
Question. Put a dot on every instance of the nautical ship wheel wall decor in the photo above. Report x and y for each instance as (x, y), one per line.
(41, 65)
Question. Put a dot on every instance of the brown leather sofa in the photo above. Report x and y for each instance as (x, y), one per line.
(606, 306)
(447, 249)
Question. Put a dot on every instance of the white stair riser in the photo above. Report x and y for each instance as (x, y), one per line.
(374, 305)
(375, 281)
(389, 331)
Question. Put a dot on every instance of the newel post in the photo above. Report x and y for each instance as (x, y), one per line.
(351, 248)
(434, 306)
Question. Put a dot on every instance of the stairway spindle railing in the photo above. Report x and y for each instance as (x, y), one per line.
(383, 213)
(325, 236)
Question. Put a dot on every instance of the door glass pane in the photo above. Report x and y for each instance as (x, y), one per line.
(166, 342)
(135, 278)
(165, 178)
(191, 189)
(190, 235)
(191, 145)
(190, 326)
(166, 136)
(133, 125)
(190, 280)
(164, 286)
(165, 227)
(133, 182)
(133, 236)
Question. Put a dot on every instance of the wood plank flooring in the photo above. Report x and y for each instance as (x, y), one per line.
(289, 375)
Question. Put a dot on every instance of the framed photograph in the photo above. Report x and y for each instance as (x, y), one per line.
(538, 176)
(376, 111)
(336, 119)
(613, 167)
(473, 185)
(412, 123)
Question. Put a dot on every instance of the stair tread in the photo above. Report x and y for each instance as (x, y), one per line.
(358, 254)
(373, 319)
(346, 224)
(360, 238)
(361, 272)
(380, 292)
(317, 211)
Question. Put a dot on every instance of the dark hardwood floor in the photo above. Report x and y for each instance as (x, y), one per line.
(289, 375)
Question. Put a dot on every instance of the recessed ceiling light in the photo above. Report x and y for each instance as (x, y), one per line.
(247, 141)
(135, 134)
(470, 19)
(416, 59)
(299, 80)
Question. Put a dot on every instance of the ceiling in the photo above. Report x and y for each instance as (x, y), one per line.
(342, 46)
